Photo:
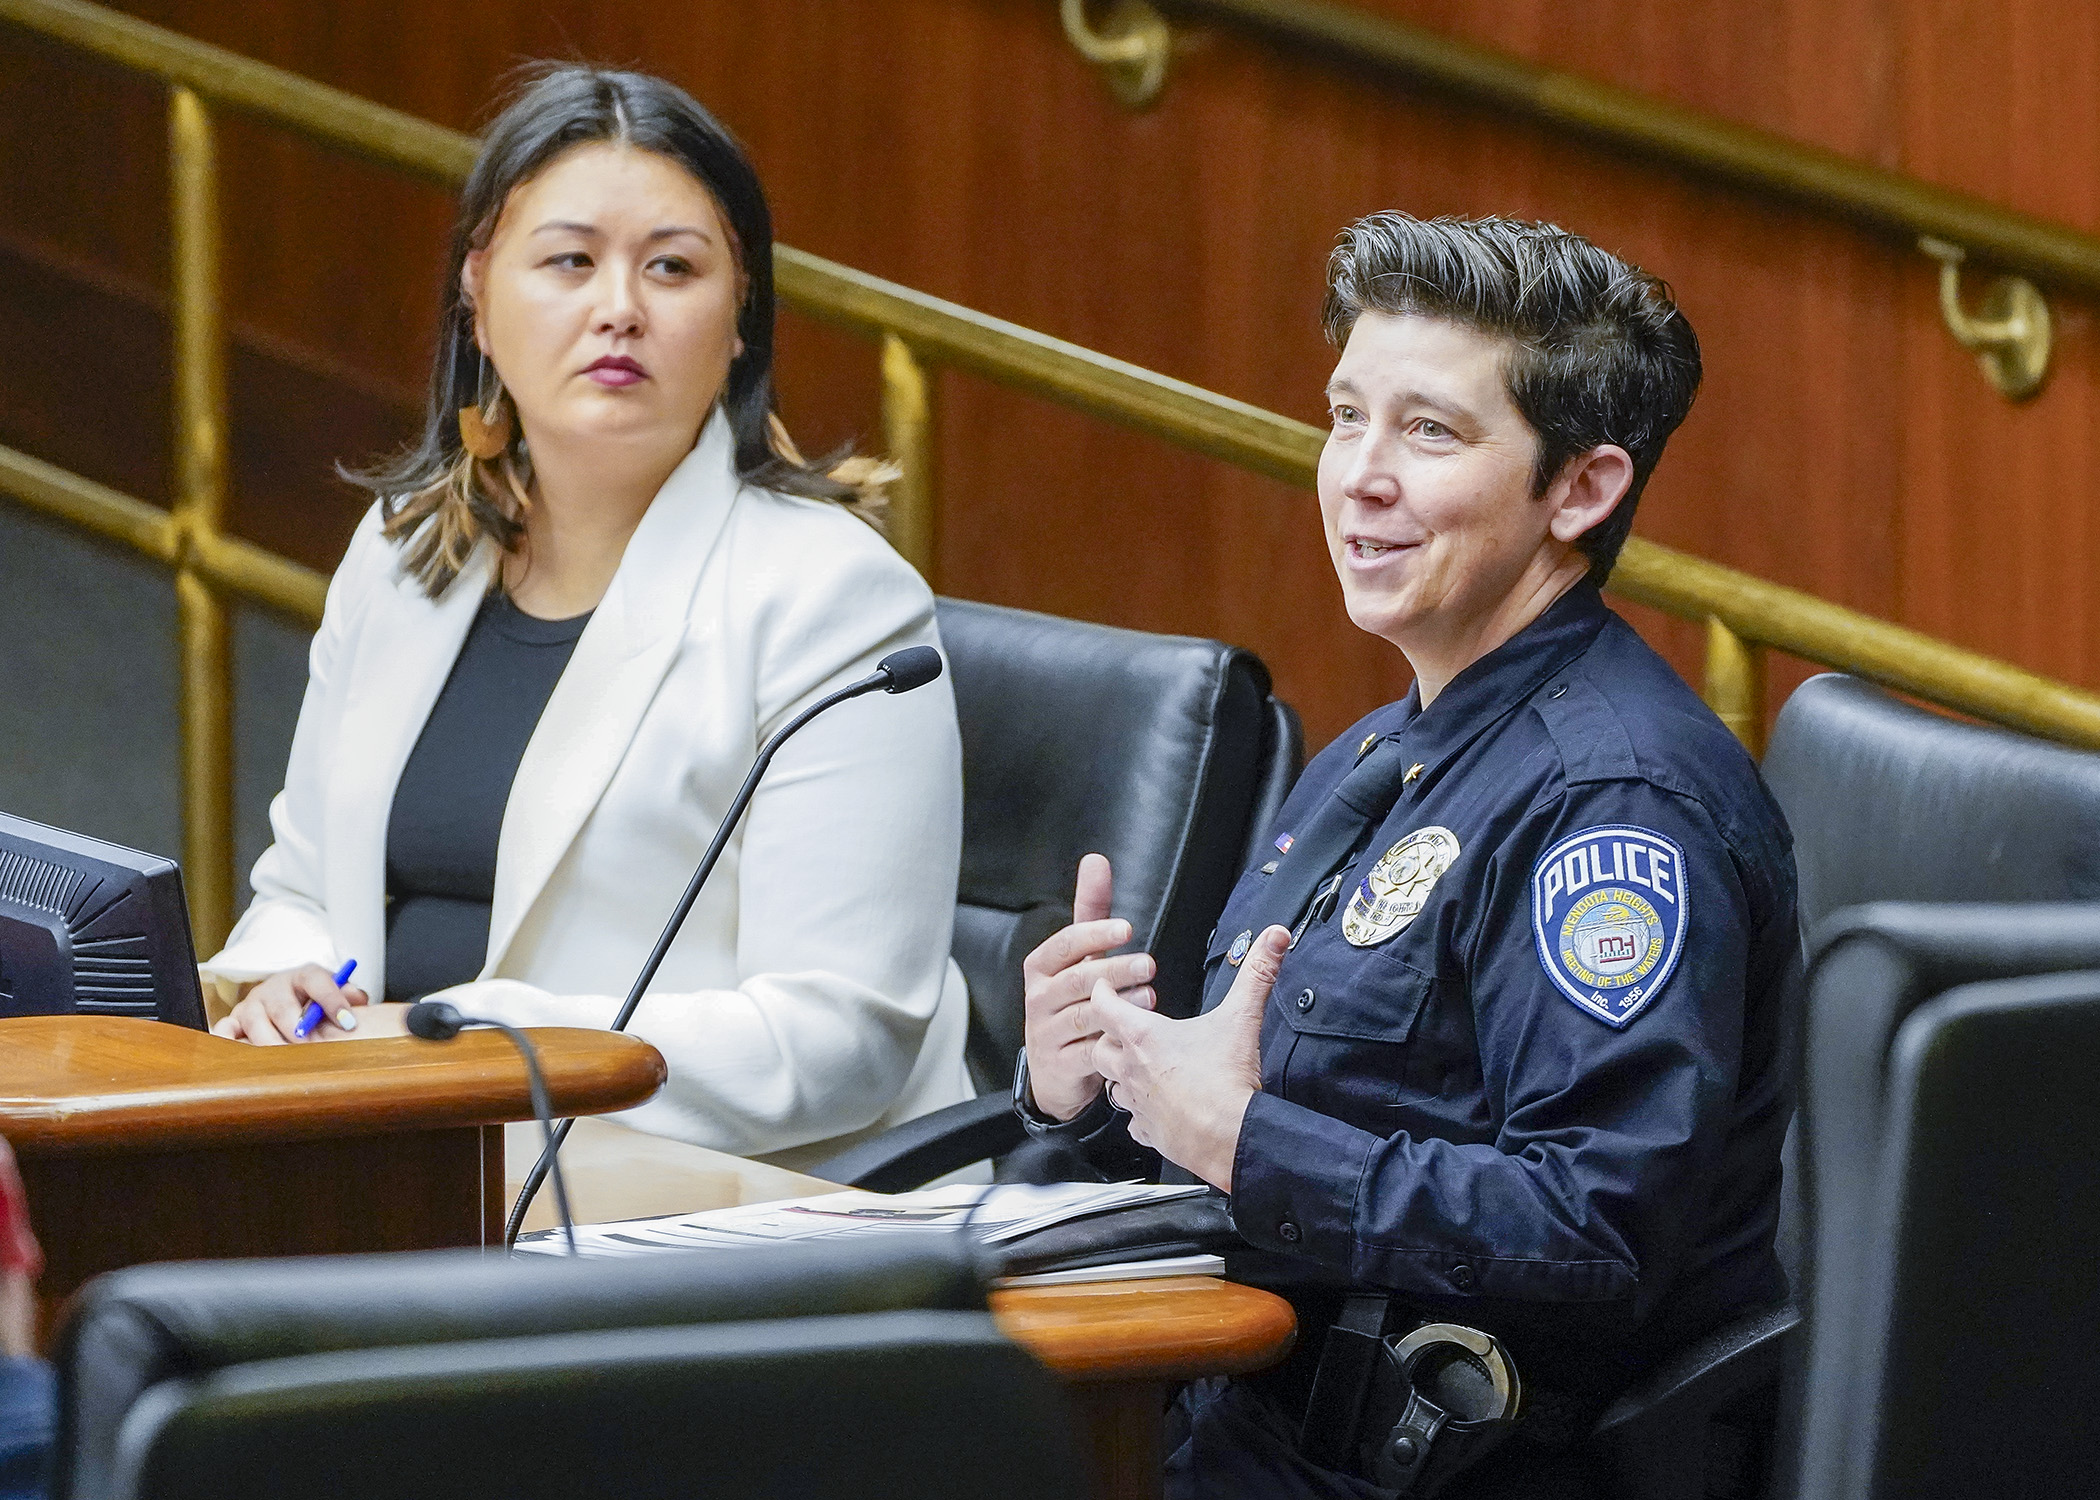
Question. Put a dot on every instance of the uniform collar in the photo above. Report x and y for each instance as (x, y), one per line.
(1500, 682)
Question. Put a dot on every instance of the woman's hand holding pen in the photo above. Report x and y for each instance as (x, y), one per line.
(270, 1012)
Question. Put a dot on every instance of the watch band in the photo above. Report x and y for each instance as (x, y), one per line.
(1098, 1120)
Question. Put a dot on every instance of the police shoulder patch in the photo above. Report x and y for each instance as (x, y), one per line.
(1610, 907)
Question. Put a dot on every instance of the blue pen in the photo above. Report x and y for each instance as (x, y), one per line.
(313, 1015)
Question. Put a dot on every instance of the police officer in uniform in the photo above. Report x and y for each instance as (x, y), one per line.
(1494, 1032)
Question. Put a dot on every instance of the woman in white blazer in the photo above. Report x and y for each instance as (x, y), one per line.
(615, 458)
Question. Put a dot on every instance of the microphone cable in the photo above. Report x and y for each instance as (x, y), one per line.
(440, 1021)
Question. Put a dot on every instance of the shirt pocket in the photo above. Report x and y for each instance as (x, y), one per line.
(1352, 1013)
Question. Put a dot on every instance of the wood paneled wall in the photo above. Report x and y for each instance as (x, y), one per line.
(1843, 444)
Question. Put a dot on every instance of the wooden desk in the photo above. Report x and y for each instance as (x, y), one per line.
(140, 1141)
(1119, 1345)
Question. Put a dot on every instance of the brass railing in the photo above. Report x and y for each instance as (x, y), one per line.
(1900, 206)
(1129, 40)
(919, 335)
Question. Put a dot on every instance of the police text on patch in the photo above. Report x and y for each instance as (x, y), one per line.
(1610, 908)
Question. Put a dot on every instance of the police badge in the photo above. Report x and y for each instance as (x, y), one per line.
(1609, 907)
(1398, 887)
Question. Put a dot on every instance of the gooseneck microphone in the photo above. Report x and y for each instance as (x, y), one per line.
(899, 672)
(440, 1021)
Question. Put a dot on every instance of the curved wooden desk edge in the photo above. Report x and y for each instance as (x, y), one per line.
(1171, 1328)
(104, 1083)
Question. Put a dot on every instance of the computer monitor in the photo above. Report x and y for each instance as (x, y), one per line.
(92, 928)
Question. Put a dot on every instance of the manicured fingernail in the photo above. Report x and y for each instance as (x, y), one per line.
(346, 1019)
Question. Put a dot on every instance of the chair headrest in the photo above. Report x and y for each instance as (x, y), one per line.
(1936, 945)
(1081, 738)
(1872, 965)
(925, 1403)
(131, 1329)
(1889, 801)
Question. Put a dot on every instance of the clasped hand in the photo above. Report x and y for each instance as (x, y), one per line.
(1090, 1024)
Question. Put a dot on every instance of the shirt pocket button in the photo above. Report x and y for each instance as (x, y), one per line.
(1305, 1000)
(1287, 1232)
(1462, 1276)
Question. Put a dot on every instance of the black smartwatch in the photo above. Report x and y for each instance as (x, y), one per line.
(1099, 1119)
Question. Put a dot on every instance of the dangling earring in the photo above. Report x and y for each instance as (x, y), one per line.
(777, 434)
(485, 436)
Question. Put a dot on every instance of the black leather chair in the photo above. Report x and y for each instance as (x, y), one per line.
(1873, 966)
(1890, 802)
(1887, 801)
(792, 1372)
(1951, 1116)
(1165, 753)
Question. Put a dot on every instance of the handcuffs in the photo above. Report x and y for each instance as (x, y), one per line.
(1411, 1413)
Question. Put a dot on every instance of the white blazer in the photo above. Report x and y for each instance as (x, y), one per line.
(810, 997)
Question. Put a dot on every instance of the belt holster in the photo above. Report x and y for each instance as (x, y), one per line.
(1408, 1414)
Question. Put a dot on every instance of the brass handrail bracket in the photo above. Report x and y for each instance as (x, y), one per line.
(1735, 683)
(1130, 49)
(2010, 336)
(907, 434)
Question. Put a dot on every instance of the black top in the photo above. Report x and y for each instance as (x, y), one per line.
(448, 807)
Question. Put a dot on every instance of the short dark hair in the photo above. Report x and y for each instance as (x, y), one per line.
(555, 108)
(1601, 353)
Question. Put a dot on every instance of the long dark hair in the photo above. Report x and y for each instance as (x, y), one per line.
(436, 498)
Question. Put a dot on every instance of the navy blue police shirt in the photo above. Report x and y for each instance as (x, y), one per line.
(1532, 1069)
